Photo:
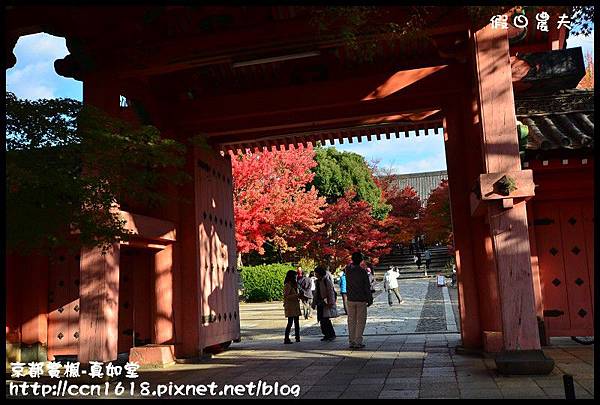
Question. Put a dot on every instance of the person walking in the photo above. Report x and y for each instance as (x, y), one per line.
(343, 291)
(299, 273)
(306, 296)
(359, 298)
(390, 284)
(324, 301)
(291, 305)
(417, 259)
(427, 256)
(371, 279)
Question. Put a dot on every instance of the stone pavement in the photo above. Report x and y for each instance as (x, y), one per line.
(426, 308)
(396, 362)
(393, 366)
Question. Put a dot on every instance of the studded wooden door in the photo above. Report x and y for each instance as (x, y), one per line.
(219, 304)
(63, 305)
(565, 239)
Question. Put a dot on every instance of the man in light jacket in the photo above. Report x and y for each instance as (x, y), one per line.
(390, 284)
(359, 298)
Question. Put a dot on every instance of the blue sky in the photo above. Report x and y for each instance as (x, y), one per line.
(33, 77)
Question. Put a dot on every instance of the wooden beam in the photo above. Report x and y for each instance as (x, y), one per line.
(315, 101)
(523, 179)
(149, 228)
(508, 227)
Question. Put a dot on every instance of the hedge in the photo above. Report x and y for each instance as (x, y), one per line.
(264, 282)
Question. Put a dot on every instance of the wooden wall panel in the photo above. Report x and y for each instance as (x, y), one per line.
(576, 269)
(63, 304)
(564, 237)
(551, 263)
(588, 226)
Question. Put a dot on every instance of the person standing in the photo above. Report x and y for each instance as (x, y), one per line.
(291, 305)
(324, 300)
(359, 298)
(427, 256)
(343, 291)
(390, 284)
(305, 287)
(298, 273)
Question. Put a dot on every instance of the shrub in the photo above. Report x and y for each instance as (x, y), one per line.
(264, 282)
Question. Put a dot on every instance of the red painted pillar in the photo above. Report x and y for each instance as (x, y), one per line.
(521, 352)
(99, 278)
(501, 154)
(459, 186)
(99, 304)
(163, 292)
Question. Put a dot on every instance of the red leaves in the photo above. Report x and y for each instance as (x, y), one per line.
(437, 223)
(403, 223)
(271, 202)
(348, 227)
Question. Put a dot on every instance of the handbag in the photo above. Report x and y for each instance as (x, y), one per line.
(333, 312)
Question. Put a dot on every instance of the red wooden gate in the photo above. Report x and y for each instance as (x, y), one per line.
(565, 239)
(219, 306)
(63, 305)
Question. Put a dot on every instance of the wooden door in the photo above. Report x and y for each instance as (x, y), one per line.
(219, 307)
(63, 305)
(135, 298)
(564, 236)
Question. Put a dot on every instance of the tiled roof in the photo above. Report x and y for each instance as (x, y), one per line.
(561, 121)
(422, 183)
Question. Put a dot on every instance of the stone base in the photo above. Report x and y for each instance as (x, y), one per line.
(153, 356)
(31, 352)
(467, 351)
(524, 362)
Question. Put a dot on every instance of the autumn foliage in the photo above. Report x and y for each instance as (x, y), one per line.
(437, 224)
(348, 226)
(588, 80)
(271, 201)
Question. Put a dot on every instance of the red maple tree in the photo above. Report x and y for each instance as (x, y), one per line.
(437, 222)
(348, 227)
(271, 201)
(403, 222)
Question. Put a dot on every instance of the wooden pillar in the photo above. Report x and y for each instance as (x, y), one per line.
(99, 304)
(500, 155)
(163, 293)
(459, 186)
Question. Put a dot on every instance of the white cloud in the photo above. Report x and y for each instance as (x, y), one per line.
(33, 77)
(32, 81)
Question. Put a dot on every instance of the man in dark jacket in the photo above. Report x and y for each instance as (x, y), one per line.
(360, 297)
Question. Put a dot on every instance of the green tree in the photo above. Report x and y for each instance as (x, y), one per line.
(68, 166)
(338, 172)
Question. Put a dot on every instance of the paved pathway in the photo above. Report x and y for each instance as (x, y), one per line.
(394, 364)
(399, 366)
(426, 308)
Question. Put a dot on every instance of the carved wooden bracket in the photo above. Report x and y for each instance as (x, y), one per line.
(505, 188)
